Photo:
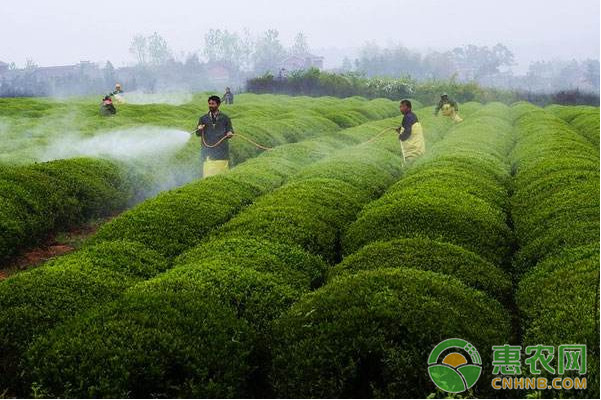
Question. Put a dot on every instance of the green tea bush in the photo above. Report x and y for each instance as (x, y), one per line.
(546, 296)
(297, 267)
(34, 301)
(453, 217)
(569, 113)
(308, 213)
(430, 255)
(255, 291)
(178, 219)
(347, 119)
(41, 198)
(367, 168)
(369, 334)
(175, 220)
(555, 203)
(558, 300)
(555, 209)
(458, 193)
(588, 126)
(166, 343)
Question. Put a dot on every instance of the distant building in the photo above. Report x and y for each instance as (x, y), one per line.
(3, 68)
(83, 69)
(297, 62)
(217, 72)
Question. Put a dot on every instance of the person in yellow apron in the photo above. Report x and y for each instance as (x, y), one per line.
(410, 133)
(215, 129)
(448, 107)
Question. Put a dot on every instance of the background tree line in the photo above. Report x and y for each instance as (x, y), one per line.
(235, 59)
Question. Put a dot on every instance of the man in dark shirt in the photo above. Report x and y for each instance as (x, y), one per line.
(215, 129)
(228, 96)
(410, 133)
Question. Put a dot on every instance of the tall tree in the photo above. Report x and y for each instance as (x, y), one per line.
(109, 73)
(591, 73)
(269, 52)
(347, 65)
(30, 64)
(475, 62)
(151, 50)
(228, 48)
(300, 45)
(139, 49)
(158, 50)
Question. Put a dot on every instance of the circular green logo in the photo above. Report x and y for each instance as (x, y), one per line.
(453, 372)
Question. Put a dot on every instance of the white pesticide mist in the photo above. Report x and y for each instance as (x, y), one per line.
(174, 98)
(126, 144)
(149, 150)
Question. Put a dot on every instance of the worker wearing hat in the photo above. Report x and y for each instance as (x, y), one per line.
(449, 108)
(215, 129)
(410, 133)
(106, 107)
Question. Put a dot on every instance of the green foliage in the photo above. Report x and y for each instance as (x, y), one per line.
(313, 82)
(308, 213)
(175, 220)
(555, 209)
(442, 214)
(158, 344)
(550, 311)
(358, 336)
(34, 301)
(569, 113)
(556, 199)
(42, 198)
(457, 193)
(558, 301)
(169, 224)
(249, 278)
(295, 266)
(259, 274)
(588, 126)
(424, 262)
(426, 254)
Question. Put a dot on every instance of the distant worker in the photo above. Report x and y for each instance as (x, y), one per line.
(410, 133)
(228, 96)
(118, 93)
(107, 108)
(449, 108)
(215, 129)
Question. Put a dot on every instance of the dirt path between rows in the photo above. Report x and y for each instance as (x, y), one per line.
(56, 245)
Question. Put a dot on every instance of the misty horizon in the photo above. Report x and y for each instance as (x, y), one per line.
(66, 31)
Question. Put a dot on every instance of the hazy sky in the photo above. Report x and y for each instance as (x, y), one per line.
(67, 31)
